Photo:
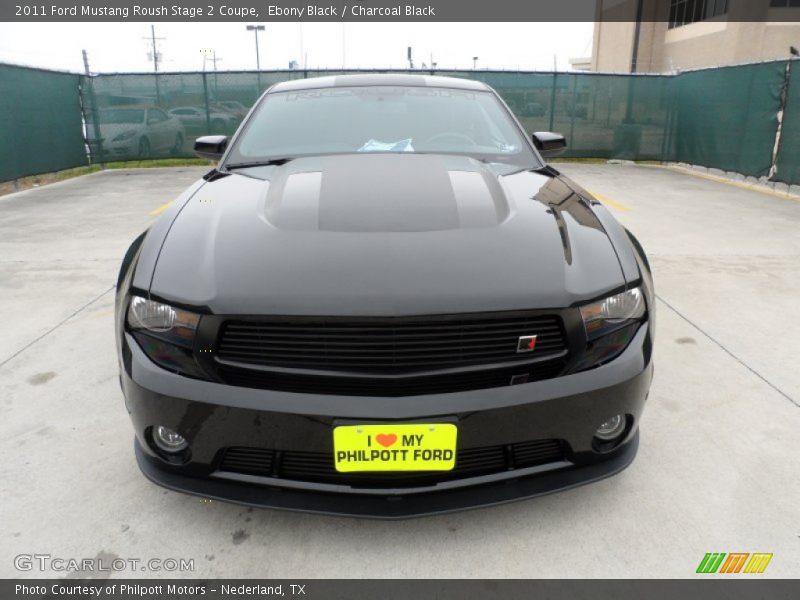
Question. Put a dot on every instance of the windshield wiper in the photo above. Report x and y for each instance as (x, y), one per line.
(257, 163)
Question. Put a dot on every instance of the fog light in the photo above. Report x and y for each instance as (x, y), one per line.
(168, 440)
(611, 429)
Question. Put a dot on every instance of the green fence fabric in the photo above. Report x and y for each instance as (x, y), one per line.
(729, 124)
(724, 118)
(727, 117)
(40, 122)
(788, 163)
(603, 116)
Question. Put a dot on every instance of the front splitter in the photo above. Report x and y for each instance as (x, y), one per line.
(373, 506)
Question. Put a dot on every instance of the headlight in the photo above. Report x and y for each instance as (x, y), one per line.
(610, 326)
(125, 135)
(615, 312)
(166, 334)
(171, 324)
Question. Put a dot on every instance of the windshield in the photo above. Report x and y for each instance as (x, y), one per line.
(381, 119)
(121, 115)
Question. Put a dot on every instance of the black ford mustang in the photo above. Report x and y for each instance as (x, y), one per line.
(382, 302)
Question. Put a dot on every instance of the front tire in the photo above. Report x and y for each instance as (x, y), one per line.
(178, 147)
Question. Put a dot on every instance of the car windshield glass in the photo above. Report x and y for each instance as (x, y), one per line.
(121, 115)
(382, 119)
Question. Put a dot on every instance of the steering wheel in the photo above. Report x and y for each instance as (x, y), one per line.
(452, 135)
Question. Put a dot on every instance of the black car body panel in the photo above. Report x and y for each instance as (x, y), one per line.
(488, 242)
(385, 242)
(215, 417)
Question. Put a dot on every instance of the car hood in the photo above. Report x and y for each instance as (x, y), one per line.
(385, 234)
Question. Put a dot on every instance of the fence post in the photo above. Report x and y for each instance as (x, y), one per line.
(158, 90)
(95, 123)
(784, 97)
(205, 97)
(553, 100)
(669, 121)
(573, 109)
(87, 78)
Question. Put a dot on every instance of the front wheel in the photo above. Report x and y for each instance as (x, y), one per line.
(178, 147)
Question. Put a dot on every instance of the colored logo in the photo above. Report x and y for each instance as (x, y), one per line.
(735, 562)
(386, 439)
(526, 343)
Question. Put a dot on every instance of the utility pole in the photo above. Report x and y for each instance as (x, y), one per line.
(95, 121)
(255, 29)
(216, 83)
(153, 39)
(214, 60)
(156, 57)
(410, 59)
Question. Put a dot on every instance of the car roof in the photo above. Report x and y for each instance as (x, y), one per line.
(379, 79)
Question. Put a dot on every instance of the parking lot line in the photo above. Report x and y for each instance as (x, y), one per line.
(160, 209)
(745, 186)
(610, 203)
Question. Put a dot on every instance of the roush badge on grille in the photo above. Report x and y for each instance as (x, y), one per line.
(526, 343)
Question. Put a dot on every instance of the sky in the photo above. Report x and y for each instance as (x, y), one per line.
(124, 47)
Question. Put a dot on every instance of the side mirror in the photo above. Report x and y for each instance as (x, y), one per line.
(211, 146)
(549, 143)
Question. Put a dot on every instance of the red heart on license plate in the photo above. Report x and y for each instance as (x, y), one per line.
(386, 439)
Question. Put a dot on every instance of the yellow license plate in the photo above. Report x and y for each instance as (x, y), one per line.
(395, 447)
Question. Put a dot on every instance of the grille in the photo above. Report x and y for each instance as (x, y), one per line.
(400, 348)
(317, 467)
(387, 345)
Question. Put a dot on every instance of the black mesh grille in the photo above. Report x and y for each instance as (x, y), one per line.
(393, 345)
(318, 467)
(399, 348)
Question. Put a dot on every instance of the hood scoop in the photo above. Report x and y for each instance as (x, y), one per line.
(385, 193)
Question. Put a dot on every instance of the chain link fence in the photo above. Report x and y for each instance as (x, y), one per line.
(40, 122)
(725, 118)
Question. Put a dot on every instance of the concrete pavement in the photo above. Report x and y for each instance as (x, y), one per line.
(718, 468)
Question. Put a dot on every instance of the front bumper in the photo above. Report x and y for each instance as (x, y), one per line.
(129, 147)
(213, 417)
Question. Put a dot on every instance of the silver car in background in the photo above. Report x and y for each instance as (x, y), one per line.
(136, 132)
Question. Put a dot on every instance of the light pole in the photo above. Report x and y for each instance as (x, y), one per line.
(474, 63)
(255, 29)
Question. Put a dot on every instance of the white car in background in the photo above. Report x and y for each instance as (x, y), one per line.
(237, 109)
(136, 132)
(197, 122)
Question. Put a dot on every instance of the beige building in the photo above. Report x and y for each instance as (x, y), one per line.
(675, 35)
